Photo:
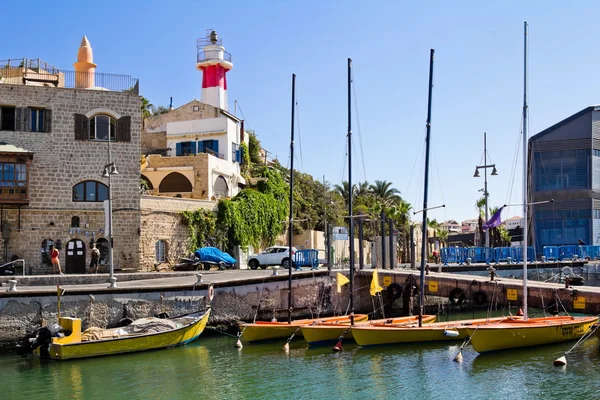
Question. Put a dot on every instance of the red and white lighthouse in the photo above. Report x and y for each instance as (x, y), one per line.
(214, 62)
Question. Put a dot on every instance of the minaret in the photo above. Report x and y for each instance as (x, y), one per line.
(214, 62)
(85, 67)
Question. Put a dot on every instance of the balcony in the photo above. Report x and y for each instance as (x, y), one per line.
(24, 71)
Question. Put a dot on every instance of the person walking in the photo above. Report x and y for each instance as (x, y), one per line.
(54, 260)
(95, 257)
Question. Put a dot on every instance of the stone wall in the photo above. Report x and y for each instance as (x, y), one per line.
(60, 162)
(190, 111)
(160, 220)
(159, 167)
(151, 141)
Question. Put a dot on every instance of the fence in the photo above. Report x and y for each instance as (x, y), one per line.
(461, 255)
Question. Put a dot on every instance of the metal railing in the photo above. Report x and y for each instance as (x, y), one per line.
(24, 71)
(203, 56)
(12, 263)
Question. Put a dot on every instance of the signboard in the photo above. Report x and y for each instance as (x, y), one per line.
(511, 294)
(387, 280)
(433, 286)
(579, 302)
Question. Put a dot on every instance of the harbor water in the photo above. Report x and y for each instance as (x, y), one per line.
(211, 368)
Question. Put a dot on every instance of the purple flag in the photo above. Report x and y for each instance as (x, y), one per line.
(494, 221)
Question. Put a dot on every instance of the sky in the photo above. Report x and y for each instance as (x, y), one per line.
(478, 78)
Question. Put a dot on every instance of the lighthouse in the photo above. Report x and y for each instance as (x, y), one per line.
(85, 67)
(214, 62)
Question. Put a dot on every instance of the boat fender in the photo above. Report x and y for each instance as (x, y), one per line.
(394, 291)
(451, 333)
(480, 298)
(456, 296)
(211, 292)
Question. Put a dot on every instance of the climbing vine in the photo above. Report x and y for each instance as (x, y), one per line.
(245, 164)
(202, 225)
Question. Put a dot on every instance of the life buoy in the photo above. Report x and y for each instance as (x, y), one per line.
(394, 291)
(456, 296)
(480, 298)
(211, 292)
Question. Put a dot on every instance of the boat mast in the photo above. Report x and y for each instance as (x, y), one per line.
(350, 218)
(424, 226)
(525, 174)
(290, 227)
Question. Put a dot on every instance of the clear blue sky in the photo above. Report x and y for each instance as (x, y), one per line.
(478, 76)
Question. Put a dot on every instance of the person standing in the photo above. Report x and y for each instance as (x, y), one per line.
(95, 257)
(54, 260)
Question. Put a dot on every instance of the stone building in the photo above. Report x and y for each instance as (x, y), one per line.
(58, 132)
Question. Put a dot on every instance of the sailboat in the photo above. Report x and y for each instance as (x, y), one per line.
(529, 331)
(322, 332)
(268, 330)
(389, 333)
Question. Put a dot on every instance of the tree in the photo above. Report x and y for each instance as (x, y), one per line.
(383, 191)
(254, 148)
(160, 110)
(146, 108)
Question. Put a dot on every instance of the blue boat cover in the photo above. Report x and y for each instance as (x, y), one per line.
(214, 255)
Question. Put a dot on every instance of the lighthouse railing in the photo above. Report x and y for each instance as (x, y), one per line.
(210, 55)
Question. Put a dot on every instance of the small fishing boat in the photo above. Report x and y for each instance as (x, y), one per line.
(263, 330)
(325, 332)
(381, 334)
(529, 331)
(66, 341)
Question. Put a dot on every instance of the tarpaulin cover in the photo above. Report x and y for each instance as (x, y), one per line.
(212, 254)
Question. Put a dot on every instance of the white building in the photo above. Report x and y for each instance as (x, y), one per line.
(469, 225)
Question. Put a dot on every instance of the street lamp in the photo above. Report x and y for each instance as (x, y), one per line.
(485, 191)
(109, 170)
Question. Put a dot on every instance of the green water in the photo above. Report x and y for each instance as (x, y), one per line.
(211, 368)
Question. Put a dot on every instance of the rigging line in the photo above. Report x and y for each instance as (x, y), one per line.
(514, 163)
(417, 156)
(241, 112)
(354, 146)
(299, 136)
(362, 153)
(344, 159)
(439, 177)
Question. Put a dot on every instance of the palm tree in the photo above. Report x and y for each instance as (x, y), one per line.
(343, 190)
(146, 108)
(480, 204)
(362, 189)
(383, 191)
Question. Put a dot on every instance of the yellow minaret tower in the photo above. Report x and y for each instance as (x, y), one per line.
(85, 67)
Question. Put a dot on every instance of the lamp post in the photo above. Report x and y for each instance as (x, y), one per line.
(109, 170)
(485, 191)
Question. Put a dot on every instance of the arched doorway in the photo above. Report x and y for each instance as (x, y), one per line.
(75, 257)
(220, 187)
(102, 245)
(175, 183)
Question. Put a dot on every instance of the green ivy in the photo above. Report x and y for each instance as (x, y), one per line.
(202, 224)
(245, 158)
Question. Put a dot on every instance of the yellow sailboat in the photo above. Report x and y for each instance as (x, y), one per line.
(534, 331)
(381, 334)
(326, 332)
(140, 335)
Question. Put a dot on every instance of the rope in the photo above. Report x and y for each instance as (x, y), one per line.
(222, 332)
(362, 153)
(591, 330)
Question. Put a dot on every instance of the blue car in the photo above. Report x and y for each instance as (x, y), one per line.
(209, 256)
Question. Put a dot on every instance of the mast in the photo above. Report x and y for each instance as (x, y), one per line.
(525, 173)
(290, 227)
(351, 223)
(424, 226)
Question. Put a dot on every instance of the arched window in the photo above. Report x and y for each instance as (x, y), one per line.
(74, 222)
(161, 250)
(220, 187)
(101, 126)
(174, 183)
(90, 191)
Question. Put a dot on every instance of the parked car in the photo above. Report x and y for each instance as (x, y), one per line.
(275, 255)
(205, 258)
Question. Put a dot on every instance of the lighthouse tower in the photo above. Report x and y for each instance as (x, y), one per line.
(214, 62)
(85, 67)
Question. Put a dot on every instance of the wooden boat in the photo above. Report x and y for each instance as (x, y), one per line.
(531, 332)
(534, 331)
(132, 338)
(262, 330)
(326, 332)
(381, 334)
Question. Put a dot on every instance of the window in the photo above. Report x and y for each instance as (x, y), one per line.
(185, 149)
(90, 191)
(74, 222)
(101, 126)
(562, 170)
(236, 153)
(596, 152)
(13, 179)
(161, 253)
(210, 147)
(37, 120)
(7, 118)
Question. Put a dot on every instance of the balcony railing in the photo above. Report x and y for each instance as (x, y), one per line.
(212, 55)
(39, 73)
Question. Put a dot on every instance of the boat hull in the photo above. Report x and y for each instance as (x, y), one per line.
(261, 331)
(440, 331)
(533, 332)
(120, 345)
(324, 333)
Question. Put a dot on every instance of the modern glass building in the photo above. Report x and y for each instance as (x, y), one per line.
(564, 165)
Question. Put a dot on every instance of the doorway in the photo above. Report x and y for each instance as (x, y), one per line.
(75, 260)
